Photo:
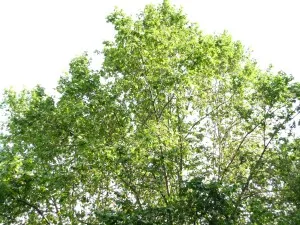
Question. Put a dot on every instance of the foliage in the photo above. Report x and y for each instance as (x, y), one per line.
(176, 127)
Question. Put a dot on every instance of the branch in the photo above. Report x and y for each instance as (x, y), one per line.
(40, 212)
(161, 193)
(237, 150)
(257, 164)
(205, 116)
(132, 188)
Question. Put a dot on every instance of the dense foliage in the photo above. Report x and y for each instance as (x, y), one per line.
(176, 127)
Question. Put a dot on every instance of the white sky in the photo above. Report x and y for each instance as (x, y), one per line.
(38, 38)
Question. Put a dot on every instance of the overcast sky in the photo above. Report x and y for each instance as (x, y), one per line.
(38, 38)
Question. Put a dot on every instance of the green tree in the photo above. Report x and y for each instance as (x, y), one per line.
(176, 127)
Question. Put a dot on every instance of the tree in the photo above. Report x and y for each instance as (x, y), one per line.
(176, 127)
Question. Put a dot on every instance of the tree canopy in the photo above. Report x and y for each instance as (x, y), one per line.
(175, 127)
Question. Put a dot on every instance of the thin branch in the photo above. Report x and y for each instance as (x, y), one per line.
(237, 150)
(257, 164)
(205, 116)
(39, 211)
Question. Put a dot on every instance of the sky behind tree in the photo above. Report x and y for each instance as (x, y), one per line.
(39, 38)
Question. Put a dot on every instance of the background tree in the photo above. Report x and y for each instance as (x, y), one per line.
(176, 127)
